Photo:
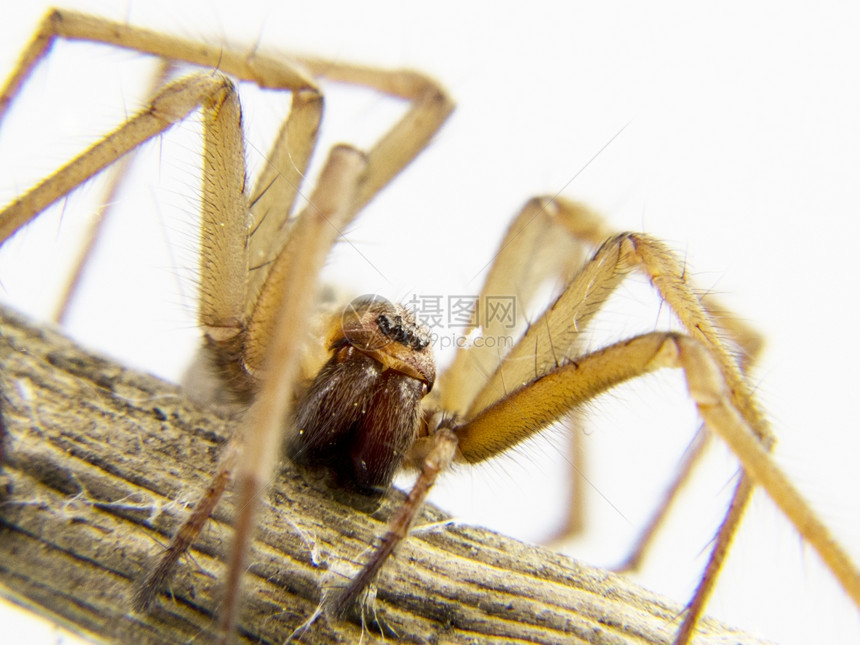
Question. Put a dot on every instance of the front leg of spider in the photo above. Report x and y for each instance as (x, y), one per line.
(362, 414)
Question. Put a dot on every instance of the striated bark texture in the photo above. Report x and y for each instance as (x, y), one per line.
(102, 462)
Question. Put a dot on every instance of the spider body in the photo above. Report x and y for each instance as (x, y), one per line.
(362, 412)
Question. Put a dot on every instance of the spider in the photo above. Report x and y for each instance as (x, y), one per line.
(555, 358)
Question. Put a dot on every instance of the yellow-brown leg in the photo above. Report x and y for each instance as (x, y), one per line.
(266, 318)
(749, 343)
(499, 419)
(103, 212)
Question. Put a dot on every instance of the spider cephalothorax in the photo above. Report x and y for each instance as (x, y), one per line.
(362, 412)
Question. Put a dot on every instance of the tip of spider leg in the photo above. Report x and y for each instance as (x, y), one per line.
(149, 586)
(345, 594)
(363, 609)
(142, 598)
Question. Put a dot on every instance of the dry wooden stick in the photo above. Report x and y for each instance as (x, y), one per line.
(101, 463)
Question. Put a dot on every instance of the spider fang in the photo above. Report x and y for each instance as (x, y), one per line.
(363, 410)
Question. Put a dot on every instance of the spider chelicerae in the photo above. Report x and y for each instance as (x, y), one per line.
(408, 144)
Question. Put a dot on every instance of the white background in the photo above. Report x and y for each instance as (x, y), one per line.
(742, 151)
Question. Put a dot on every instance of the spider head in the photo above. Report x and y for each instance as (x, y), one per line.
(362, 412)
(388, 333)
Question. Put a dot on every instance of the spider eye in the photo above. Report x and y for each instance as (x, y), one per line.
(407, 333)
(388, 333)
